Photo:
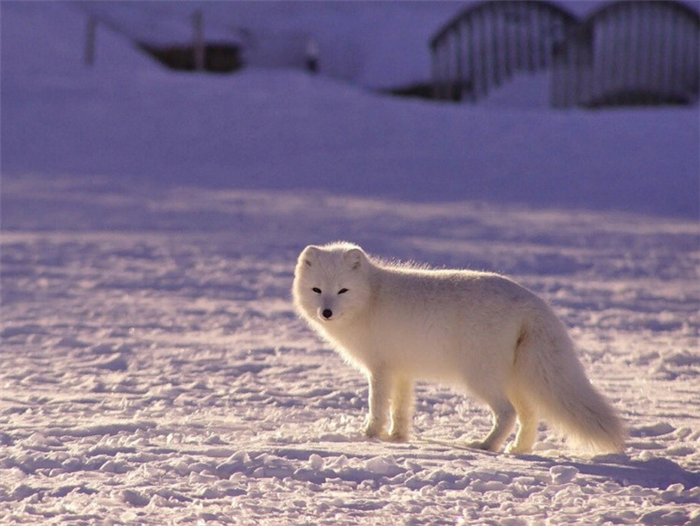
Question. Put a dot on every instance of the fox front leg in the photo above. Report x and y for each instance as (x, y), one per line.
(401, 409)
(379, 394)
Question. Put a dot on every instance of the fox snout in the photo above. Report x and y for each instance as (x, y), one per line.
(325, 313)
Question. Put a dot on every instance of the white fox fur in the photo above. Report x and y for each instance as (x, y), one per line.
(479, 330)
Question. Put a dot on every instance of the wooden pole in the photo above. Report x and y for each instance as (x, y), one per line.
(198, 44)
(90, 38)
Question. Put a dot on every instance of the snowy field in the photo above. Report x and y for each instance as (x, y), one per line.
(153, 370)
(160, 375)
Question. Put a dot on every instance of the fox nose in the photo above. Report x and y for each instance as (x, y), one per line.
(327, 313)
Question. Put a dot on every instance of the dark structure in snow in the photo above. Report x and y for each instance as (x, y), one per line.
(195, 45)
(216, 57)
(629, 53)
(484, 45)
(624, 53)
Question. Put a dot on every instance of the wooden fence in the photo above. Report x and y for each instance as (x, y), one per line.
(485, 44)
(626, 52)
(629, 53)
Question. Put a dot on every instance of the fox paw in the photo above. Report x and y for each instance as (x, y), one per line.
(515, 449)
(398, 436)
(482, 446)
(371, 431)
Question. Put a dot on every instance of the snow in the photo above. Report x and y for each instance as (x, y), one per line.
(154, 371)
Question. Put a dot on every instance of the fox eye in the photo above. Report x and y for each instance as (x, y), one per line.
(316, 290)
(342, 291)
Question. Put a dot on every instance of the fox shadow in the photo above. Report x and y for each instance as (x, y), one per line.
(657, 473)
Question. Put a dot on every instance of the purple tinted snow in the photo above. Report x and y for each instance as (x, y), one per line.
(286, 130)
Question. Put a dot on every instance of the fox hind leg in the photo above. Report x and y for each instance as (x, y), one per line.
(503, 423)
(527, 430)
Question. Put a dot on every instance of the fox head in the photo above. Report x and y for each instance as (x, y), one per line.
(331, 282)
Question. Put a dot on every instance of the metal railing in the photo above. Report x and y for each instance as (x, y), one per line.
(626, 52)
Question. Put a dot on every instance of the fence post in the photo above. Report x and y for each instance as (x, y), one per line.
(90, 38)
(198, 43)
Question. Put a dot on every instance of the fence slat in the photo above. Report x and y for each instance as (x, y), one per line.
(626, 52)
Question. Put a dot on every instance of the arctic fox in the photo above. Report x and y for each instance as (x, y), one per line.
(483, 331)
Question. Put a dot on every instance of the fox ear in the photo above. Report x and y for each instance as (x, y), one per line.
(309, 256)
(355, 258)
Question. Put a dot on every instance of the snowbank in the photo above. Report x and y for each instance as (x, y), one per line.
(287, 130)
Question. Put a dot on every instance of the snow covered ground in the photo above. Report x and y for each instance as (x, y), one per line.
(153, 370)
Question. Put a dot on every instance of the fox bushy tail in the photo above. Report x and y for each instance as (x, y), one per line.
(556, 384)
